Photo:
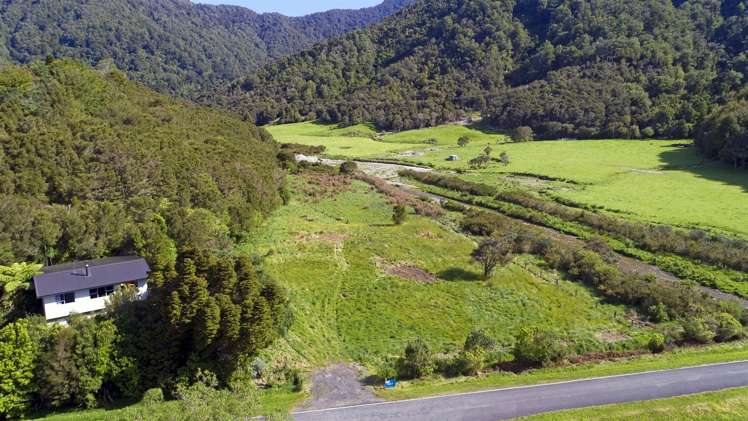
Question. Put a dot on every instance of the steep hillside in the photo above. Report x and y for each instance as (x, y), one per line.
(92, 164)
(568, 68)
(173, 46)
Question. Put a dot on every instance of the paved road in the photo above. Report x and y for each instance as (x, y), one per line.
(515, 402)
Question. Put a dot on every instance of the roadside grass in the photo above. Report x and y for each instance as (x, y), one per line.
(332, 256)
(652, 180)
(677, 358)
(729, 404)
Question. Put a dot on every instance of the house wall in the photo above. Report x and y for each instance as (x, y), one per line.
(83, 303)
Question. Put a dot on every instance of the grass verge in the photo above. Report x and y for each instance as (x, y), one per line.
(678, 358)
(729, 404)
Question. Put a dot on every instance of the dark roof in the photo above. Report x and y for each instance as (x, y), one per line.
(71, 277)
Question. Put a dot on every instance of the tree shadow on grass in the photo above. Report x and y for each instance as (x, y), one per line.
(488, 129)
(458, 274)
(680, 158)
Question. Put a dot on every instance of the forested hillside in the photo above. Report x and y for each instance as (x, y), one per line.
(173, 46)
(567, 68)
(92, 164)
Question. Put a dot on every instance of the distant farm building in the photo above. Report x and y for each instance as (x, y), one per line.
(453, 158)
(84, 287)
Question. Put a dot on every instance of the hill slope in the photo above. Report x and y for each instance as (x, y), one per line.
(92, 164)
(566, 67)
(173, 46)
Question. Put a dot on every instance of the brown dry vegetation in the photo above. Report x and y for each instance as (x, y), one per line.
(320, 185)
(397, 196)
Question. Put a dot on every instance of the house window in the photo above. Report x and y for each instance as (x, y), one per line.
(101, 292)
(66, 298)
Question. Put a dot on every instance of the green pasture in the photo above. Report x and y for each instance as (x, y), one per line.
(662, 181)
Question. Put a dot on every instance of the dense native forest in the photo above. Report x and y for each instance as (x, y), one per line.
(566, 68)
(93, 165)
(173, 46)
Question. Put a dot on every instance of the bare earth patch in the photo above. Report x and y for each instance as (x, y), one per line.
(611, 336)
(411, 273)
(405, 271)
(337, 239)
(338, 385)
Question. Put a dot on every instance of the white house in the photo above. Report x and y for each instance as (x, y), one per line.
(83, 287)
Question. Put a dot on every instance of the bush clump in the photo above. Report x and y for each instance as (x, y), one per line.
(348, 167)
(152, 396)
(656, 343)
(728, 328)
(697, 330)
(539, 347)
(417, 362)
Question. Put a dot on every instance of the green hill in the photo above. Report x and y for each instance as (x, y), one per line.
(567, 68)
(92, 164)
(174, 46)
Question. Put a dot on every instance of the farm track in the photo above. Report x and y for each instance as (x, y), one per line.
(626, 264)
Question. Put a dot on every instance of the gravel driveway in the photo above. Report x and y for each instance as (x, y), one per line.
(336, 386)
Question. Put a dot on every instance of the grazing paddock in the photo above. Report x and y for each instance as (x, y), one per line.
(663, 181)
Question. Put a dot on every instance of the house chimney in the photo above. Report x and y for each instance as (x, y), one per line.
(87, 274)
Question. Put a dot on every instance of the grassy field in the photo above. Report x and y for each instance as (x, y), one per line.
(658, 181)
(725, 405)
(349, 142)
(333, 255)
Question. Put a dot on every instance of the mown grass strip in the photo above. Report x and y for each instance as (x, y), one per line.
(729, 404)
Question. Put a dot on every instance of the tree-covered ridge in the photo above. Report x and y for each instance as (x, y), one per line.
(92, 164)
(173, 46)
(567, 68)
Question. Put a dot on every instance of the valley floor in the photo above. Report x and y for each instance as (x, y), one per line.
(662, 181)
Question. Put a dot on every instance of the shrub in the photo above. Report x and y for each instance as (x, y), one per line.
(152, 396)
(453, 206)
(656, 343)
(399, 214)
(467, 363)
(697, 330)
(479, 339)
(657, 313)
(387, 370)
(417, 361)
(297, 380)
(538, 347)
(348, 167)
(728, 327)
(523, 134)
